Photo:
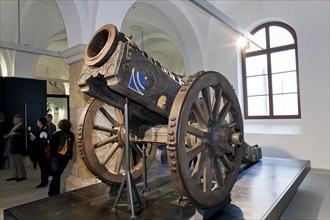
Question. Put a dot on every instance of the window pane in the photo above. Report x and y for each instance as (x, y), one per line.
(258, 106)
(283, 61)
(260, 38)
(256, 65)
(286, 104)
(257, 85)
(284, 82)
(271, 73)
(279, 36)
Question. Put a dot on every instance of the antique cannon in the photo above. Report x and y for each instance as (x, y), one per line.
(200, 120)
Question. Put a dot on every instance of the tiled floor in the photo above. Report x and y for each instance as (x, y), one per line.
(14, 193)
(310, 202)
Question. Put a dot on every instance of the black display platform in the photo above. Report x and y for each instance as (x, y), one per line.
(262, 191)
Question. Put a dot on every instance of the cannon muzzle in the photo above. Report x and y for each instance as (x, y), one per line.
(116, 68)
(102, 45)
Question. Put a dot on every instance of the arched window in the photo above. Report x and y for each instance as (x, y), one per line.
(270, 73)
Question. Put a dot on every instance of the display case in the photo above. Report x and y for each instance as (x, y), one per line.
(58, 106)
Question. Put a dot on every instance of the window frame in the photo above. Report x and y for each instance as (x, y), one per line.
(268, 51)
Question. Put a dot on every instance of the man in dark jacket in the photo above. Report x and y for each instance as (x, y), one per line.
(5, 127)
(16, 145)
(39, 143)
(51, 128)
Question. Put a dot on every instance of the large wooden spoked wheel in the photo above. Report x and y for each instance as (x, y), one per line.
(101, 136)
(205, 136)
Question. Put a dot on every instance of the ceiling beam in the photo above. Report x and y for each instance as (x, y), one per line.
(33, 50)
(220, 16)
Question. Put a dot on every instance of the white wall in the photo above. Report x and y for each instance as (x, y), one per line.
(306, 138)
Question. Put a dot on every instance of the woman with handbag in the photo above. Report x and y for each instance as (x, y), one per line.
(40, 143)
(60, 154)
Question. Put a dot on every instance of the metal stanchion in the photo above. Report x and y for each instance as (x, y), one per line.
(128, 176)
(145, 183)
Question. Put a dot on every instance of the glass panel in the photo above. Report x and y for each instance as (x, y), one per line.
(257, 85)
(260, 38)
(283, 61)
(256, 65)
(58, 107)
(286, 104)
(258, 106)
(279, 36)
(284, 82)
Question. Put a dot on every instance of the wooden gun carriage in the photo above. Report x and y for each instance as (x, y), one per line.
(199, 120)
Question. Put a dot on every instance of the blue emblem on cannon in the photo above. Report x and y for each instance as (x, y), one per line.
(137, 81)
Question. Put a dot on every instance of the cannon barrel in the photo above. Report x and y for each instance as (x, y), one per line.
(116, 68)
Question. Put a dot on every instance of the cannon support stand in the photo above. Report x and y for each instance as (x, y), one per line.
(128, 176)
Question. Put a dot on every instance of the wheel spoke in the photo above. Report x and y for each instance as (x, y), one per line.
(196, 132)
(105, 129)
(198, 169)
(207, 102)
(195, 150)
(198, 112)
(131, 160)
(120, 116)
(224, 111)
(109, 117)
(207, 183)
(226, 162)
(216, 106)
(218, 172)
(137, 150)
(119, 161)
(105, 141)
(107, 157)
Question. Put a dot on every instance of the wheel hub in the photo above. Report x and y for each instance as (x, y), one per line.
(215, 143)
(121, 135)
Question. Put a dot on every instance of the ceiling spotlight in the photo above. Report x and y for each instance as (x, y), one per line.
(243, 43)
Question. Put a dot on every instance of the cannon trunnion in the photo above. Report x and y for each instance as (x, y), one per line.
(199, 120)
